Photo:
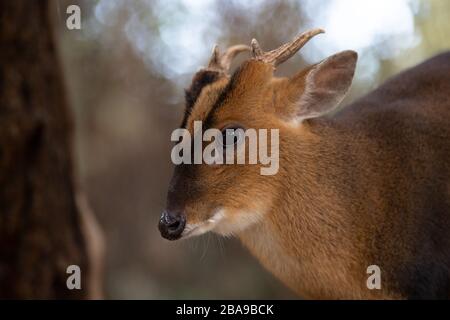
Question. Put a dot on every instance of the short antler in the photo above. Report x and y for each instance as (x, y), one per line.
(284, 52)
(222, 62)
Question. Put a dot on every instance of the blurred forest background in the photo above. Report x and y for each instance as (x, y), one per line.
(126, 70)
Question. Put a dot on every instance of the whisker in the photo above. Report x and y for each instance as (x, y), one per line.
(208, 236)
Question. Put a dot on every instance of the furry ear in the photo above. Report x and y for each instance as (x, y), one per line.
(324, 85)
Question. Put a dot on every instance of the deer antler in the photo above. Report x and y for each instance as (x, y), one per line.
(222, 62)
(284, 52)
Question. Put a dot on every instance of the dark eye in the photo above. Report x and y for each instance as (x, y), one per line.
(232, 135)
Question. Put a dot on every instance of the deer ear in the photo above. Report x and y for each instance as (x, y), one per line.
(325, 85)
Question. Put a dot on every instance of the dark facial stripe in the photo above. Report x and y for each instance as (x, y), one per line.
(199, 81)
(222, 97)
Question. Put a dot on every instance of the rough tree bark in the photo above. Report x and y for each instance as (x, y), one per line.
(41, 230)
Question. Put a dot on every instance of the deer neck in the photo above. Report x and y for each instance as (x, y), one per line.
(305, 238)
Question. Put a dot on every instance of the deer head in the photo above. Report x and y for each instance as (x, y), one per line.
(228, 198)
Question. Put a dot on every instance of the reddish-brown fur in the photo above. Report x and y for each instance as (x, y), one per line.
(367, 186)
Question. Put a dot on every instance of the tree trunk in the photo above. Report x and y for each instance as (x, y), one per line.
(41, 230)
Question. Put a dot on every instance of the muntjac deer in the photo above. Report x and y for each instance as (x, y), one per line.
(369, 185)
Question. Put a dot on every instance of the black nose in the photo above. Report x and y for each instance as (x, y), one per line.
(171, 225)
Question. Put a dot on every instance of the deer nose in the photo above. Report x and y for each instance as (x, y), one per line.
(171, 225)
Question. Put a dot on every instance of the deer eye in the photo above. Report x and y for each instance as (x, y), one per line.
(232, 135)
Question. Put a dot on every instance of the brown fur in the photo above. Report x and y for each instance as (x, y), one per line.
(370, 185)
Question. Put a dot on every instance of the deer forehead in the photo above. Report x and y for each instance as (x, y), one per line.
(248, 86)
(205, 102)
